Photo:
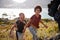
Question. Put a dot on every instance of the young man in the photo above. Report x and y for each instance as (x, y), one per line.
(20, 26)
(33, 23)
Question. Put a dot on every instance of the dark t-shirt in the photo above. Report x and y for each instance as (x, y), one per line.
(20, 26)
(35, 20)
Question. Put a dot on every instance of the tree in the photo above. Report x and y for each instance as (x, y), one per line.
(52, 7)
(4, 15)
(14, 15)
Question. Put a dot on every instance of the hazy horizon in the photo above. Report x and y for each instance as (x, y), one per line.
(28, 13)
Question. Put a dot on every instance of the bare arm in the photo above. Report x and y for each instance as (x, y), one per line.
(43, 24)
(13, 26)
(27, 25)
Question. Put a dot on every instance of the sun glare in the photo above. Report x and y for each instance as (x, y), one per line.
(19, 1)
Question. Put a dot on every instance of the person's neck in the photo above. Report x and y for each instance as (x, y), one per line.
(37, 15)
(21, 20)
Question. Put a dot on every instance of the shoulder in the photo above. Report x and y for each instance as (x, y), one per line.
(39, 15)
(17, 21)
(33, 16)
(25, 21)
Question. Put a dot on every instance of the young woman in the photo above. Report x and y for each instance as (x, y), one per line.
(20, 26)
(33, 23)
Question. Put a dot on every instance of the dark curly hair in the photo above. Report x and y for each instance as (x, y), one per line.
(38, 7)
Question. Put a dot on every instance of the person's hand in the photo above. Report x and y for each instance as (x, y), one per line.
(23, 30)
(11, 35)
(46, 26)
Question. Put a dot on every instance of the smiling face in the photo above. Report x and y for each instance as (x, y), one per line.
(21, 16)
(37, 9)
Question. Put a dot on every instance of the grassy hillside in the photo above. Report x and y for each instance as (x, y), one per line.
(42, 32)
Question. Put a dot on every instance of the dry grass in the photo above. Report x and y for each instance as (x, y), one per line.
(41, 32)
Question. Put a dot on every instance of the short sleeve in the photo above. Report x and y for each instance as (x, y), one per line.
(40, 16)
(17, 22)
(32, 17)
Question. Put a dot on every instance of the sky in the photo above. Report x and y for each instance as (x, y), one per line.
(23, 3)
(14, 7)
(28, 13)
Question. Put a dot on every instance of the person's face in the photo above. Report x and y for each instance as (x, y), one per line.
(37, 11)
(22, 16)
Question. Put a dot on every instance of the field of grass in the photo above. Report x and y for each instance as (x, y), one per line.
(42, 32)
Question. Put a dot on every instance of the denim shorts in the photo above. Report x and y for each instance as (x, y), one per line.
(33, 31)
(19, 36)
